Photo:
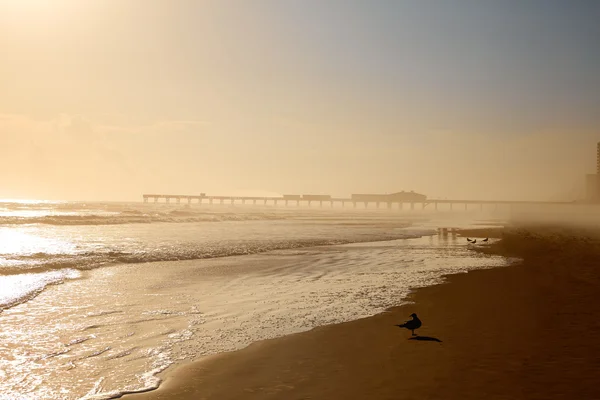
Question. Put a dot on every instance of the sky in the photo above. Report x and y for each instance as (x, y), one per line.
(457, 99)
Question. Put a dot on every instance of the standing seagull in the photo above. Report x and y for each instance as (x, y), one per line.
(485, 240)
(469, 240)
(414, 323)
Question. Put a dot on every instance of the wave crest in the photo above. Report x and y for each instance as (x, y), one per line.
(134, 217)
(42, 262)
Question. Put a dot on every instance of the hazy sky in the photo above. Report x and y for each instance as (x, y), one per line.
(107, 99)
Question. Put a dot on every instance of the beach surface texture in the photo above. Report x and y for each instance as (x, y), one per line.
(527, 331)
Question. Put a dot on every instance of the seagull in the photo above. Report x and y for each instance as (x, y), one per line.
(469, 240)
(485, 240)
(474, 241)
(414, 323)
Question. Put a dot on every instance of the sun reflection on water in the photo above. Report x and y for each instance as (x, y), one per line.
(19, 242)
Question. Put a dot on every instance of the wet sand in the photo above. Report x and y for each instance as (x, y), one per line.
(529, 331)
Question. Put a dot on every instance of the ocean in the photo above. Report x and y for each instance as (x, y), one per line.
(98, 299)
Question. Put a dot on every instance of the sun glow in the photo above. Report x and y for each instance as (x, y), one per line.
(29, 7)
(22, 243)
(30, 15)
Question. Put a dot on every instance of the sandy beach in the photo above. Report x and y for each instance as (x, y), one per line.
(528, 331)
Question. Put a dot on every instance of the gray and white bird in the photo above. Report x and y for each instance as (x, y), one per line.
(485, 240)
(414, 323)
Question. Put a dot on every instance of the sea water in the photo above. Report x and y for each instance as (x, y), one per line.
(98, 299)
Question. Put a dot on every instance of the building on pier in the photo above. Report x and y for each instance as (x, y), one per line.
(592, 181)
(317, 197)
(398, 197)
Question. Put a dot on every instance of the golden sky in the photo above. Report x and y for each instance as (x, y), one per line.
(108, 99)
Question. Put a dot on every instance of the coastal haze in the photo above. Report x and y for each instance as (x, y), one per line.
(98, 299)
(227, 199)
(105, 100)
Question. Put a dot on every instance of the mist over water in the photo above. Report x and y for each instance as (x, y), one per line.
(44, 243)
(83, 300)
(108, 100)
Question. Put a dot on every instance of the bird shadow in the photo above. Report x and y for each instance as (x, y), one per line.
(425, 339)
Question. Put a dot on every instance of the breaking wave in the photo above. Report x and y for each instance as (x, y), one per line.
(28, 275)
(43, 262)
(135, 217)
(23, 287)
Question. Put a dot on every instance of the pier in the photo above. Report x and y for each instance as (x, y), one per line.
(391, 203)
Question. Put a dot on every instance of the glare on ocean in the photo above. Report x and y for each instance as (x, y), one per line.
(19, 242)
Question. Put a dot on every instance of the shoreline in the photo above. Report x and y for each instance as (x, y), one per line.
(501, 333)
(175, 378)
(173, 370)
(185, 310)
(67, 273)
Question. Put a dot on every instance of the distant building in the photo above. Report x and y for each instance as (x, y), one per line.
(400, 197)
(407, 196)
(591, 187)
(369, 197)
(318, 197)
(592, 181)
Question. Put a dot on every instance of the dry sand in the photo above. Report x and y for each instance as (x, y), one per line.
(528, 331)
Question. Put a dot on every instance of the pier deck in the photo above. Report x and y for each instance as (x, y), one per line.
(333, 201)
